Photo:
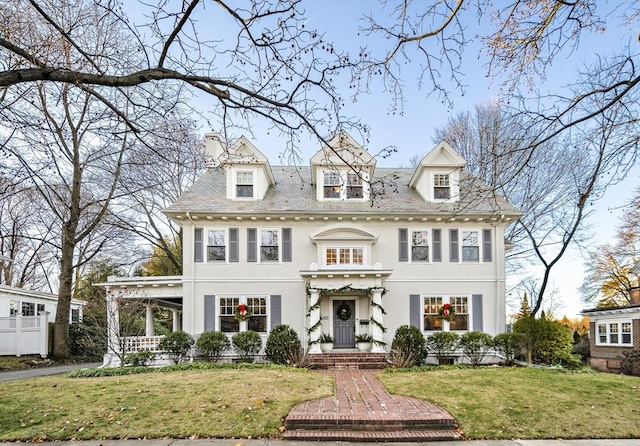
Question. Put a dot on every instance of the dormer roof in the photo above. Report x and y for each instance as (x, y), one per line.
(342, 151)
(442, 156)
(241, 152)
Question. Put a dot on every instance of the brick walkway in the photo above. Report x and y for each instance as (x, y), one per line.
(361, 409)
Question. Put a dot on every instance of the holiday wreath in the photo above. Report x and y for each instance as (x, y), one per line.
(447, 313)
(344, 311)
(242, 313)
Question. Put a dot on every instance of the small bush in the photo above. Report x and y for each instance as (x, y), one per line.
(507, 344)
(247, 344)
(139, 359)
(87, 342)
(630, 363)
(442, 344)
(283, 345)
(325, 338)
(475, 345)
(408, 347)
(177, 345)
(213, 344)
(568, 360)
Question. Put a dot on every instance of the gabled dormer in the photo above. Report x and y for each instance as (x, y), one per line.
(342, 170)
(437, 177)
(248, 172)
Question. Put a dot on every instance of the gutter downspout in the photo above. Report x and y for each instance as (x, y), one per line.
(192, 293)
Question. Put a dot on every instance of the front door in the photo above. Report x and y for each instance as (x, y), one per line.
(344, 323)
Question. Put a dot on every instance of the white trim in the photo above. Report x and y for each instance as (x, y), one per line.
(429, 232)
(343, 174)
(234, 182)
(446, 298)
(607, 324)
(205, 245)
(259, 246)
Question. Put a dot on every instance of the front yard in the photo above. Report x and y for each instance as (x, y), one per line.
(251, 402)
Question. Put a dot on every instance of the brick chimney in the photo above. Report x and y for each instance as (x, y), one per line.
(634, 293)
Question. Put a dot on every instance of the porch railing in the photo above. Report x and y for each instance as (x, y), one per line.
(143, 343)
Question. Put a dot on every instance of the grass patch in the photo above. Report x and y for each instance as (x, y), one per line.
(222, 402)
(504, 403)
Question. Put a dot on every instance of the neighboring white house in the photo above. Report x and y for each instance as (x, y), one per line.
(24, 316)
(339, 247)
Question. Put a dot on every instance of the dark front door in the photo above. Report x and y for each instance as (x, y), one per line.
(344, 323)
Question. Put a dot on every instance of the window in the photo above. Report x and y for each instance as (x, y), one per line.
(441, 187)
(75, 315)
(244, 184)
(28, 309)
(432, 321)
(40, 309)
(420, 246)
(615, 333)
(269, 247)
(354, 186)
(344, 256)
(216, 245)
(332, 184)
(228, 322)
(13, 308)
(470, 246)
(258, 308)
(461, 311)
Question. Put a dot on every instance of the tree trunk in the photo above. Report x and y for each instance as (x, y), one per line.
(61, 328)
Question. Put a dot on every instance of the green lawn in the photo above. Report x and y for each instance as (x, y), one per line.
(251, 402)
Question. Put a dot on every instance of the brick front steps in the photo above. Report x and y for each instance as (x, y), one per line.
(361, 410)
(350, 359)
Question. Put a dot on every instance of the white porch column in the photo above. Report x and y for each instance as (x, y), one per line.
(44, 334)
(113, 324)
(176, 320)
(314, 320)
(376, 313)
(149, 330)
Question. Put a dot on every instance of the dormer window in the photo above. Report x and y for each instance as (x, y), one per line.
(244, 184)
(332, 183)
(354, 186)
(441, 187)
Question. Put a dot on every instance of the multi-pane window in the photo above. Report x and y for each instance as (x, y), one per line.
(28, 309)
(419, 246)
(269, 246)
(13, 308)
(228, 322)
(332, 184)
(344, 256)
(432, 321)
(460, 308)
(216, 245)
(75, 315)
(615, 333)
(441, 187)
(354, 186)
(470, 246)
(244, 184)
(258, 319)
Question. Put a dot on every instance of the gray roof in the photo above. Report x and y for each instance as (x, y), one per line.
(293, 193)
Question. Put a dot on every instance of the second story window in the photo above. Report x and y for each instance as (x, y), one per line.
(419, 246)
(269, 246)
(441, 187)
(244, 184)
(332, 184)
(344, 256)
(470, 246)
(354, 186)
(216, 245)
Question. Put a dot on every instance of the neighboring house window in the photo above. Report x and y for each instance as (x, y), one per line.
(332, 185)
(432, 321)
(28, 309)
(75, 315)
(244, 184)
(13, 308)
(216, 245)
(441, 187)
(615, 333)
(258, 320)
(344, 256)
(470, 246)
(228, 322)
(354, 186)
(419, 246)
(460, 307)
(40, 308)
(269, 246)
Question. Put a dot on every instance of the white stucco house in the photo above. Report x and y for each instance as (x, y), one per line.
(339, 246)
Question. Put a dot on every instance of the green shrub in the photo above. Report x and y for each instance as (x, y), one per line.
(139, 359)
(87, 342)
(475, 345)
(247, 344)
(177, 345)
(408, 347)
(630, 363)
(442, 344)
(213, 344)
(568, 360)
(507, 344)
(543, 340)
(283, 345)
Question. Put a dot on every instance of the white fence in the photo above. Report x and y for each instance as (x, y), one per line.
(24, 335)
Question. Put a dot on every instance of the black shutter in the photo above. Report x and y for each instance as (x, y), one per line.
(252, 246)
(403, 242)
(414, 310)
(286, 245)
(209, 313)
(453, 246)
(486, 245)
(233, 245)
(476, 306)
(276, 310)
(437, 245)
(197, 245)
